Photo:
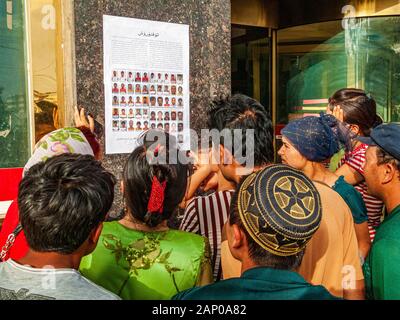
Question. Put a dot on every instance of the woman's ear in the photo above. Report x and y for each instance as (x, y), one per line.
(355, 129)
(122, 187)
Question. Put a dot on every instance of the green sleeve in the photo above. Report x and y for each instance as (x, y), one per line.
(384, 267)
(357, 206)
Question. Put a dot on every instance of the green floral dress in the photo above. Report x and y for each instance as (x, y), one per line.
(139, 265)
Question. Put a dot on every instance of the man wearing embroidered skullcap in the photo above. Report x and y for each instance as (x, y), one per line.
(274, 213)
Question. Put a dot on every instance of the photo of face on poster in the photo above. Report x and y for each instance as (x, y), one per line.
(123, 77)
(145, 126)
(166, 90)
(115, 101)
(131, 113)
(173, 116)
(166, 104)
(173, 90)
(180, 91)
(114, 77)
(173, 79)
(115, 125)
(123, 102)
(180, 79)
(130, 76)
(122, 113)
(131, 126)
(115, 88)
(123, 126)
(115, 113)
(160, 101)
(153, 101)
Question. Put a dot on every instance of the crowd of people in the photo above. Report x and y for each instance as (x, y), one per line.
(322, 224)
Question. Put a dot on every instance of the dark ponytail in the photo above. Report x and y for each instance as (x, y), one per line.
(359, 108)
(138, 175)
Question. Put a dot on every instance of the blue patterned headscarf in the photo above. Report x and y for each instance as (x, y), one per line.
(318, 138)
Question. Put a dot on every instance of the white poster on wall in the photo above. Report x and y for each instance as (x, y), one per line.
(146, 80)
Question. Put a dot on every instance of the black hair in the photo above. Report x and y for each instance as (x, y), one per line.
(384, 157)
(243, 112)
(359, 108)
(258, 254)
(62, 200)
(143, 164)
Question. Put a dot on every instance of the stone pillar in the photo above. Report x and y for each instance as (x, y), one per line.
(210, 53)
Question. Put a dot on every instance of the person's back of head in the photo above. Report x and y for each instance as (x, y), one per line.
(62, 201)
(274, 214)
(245, 113)
(154, 179)
(359, 108)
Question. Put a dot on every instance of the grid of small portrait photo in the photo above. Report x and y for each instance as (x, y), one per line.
(143, 100)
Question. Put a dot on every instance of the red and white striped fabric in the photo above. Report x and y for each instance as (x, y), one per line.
(356, 160)
(206, 216)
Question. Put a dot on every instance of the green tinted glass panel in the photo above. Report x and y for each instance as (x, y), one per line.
(316, 60)
(14, 130)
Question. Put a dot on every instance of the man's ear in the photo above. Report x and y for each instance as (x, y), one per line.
(239, 238)
(95, 234)
(389, 173)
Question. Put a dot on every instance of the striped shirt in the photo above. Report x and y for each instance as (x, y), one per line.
(206, 216)
(356, 160)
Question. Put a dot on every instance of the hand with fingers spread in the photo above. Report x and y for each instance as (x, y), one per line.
(82, 121)
(337, 112)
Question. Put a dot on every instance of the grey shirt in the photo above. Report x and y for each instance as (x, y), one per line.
(18, 282)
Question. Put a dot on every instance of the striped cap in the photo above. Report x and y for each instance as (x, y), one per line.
(280, 209)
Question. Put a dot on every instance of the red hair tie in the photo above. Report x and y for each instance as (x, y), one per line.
(157, 195)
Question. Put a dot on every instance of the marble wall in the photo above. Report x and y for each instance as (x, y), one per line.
(210, 53)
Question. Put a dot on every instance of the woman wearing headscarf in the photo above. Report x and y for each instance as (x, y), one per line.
(67, 140)
(308, 144)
